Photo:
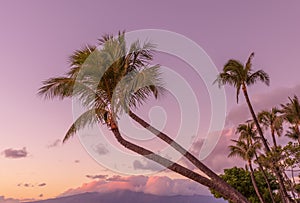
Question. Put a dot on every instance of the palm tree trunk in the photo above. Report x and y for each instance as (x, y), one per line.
(297, 132)
(267, 148)
(292, 188)
(285, 197)
(254, 183)
(273, 138)
(266, 178)
(293, 177)
(178, 168)
(186, 154)
(294, 184)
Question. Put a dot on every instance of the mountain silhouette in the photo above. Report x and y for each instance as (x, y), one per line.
(125, 196)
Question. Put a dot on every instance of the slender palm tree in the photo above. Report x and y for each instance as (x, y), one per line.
(245, 150)
(272, 120)
(240, 76)
(248, 132)
(113, 80)
(291, 113)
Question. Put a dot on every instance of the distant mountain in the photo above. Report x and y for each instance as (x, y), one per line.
(125, 196)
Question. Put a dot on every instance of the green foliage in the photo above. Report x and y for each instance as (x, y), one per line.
(240, 179)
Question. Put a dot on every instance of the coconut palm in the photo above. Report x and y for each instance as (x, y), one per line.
(248, 132)
(271, 119)
(293, 133)
(245, 150)
(112, 81)
(241, 76)
(291, 113)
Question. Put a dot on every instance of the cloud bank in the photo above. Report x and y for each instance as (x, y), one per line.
(157, 185)
(217, 160)
(260, 102)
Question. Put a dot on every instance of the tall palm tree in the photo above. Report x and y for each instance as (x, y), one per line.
(240, 76)
(271, 119)
(245, 150)
(126, 81)
(291, 113)
(248, 132)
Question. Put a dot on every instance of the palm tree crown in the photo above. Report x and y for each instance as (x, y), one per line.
(271, 120)
(291, 110)
(239, 75)
(291, 113)
(107, 81)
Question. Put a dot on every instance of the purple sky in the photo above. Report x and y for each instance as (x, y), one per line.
(38, 36)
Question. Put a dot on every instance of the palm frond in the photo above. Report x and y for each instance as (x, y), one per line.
(226, 78)
(291, 111)
(79, 56)
(88, 118)
(135, 88)
(248, 65)
(258, 75)
(292, 133)
(233, 66)
(60, 87)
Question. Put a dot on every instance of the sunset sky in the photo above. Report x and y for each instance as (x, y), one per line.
(37, 37)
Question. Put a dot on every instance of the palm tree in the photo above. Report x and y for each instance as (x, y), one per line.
(248, 132)
(126, 81)
(293, 133)
(240, 76)
(271, 119)
(245, 150)
(291, 113)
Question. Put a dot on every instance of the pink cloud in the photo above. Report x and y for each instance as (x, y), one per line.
(217, 160)
(157, 185)
(240, 113)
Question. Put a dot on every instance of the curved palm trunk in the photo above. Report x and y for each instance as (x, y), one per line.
(177, 168)
(187, 155)
(254, 183)
(266, 178)
(285, 197)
